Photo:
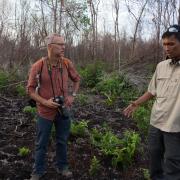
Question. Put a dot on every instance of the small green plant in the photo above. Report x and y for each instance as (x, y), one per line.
(79, 128)
(94, 166)
(110, 99)
(146, 174)
(24, 151)
(131, 141)
(30, 110)
(95, 137)
(20, 89)
(82, 99)
(142, 117)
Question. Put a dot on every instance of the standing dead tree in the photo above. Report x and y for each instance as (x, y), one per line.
(93, 5)
(137, 18)
(117, 48)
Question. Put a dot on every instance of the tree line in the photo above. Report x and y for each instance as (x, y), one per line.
(24, 24)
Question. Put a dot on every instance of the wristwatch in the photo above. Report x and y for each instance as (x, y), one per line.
(74, 94)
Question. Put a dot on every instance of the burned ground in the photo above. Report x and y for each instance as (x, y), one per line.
(17, 130)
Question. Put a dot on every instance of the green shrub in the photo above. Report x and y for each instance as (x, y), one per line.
(112, 84)
(115, 85)
(129, 94)
(20, 89)
(146, 174)
(124, 156)
(121, 151)
(3, 79)
(24, 151)
(30, 110)
(79, 128)
(106, 141)
(142, 117)
(94, 166)
(91, 74)
(95, 137)
(82, 99)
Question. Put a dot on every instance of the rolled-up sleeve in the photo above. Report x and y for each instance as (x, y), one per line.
(32, 82)
(73, 74)
(153, 84)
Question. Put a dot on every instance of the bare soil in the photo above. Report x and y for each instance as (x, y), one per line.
(17, 130)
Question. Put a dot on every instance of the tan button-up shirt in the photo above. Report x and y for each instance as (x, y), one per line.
(165, 85)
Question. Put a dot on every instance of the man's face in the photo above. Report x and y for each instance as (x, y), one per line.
(56, 51)
(171, 46)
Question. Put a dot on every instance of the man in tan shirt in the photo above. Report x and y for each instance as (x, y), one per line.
(164, 131)
(48, 86)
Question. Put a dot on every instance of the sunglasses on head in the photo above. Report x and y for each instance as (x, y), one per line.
(173, 29)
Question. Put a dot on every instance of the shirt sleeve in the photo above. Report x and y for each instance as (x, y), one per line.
(153, 84)
(32, 82)
(73, 74)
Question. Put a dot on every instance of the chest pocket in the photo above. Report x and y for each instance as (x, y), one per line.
(168, 86)
(163, 86)
(174, 86)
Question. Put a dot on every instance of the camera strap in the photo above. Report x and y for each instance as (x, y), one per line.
(50, 75)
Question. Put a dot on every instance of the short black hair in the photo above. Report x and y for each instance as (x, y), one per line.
(172, 30)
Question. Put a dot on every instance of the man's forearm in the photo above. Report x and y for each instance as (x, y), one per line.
(37, 98)
(144, 98)
(76, 86)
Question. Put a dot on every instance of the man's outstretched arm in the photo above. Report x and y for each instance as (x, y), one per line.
(128, 111)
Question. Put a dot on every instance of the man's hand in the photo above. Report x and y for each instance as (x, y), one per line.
(130, 109)
(69, 101)
(50, 103)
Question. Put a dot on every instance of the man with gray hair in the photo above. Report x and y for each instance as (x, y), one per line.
(48, 86)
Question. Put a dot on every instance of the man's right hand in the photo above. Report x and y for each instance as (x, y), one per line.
(130, 109)
(50, 104)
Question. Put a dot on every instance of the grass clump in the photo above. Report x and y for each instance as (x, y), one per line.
(30, 110)
(21, 90)
(24, 151)
(94, 166)
(82, 99)
(79, 128)
(4, 80)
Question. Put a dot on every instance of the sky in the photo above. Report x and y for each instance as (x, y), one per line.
(126, 21)
(106, 16)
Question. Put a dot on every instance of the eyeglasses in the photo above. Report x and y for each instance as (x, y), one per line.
(59, 44)
(173, 29)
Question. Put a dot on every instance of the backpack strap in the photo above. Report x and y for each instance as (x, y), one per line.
(38, 75)
(66, 62)
(40, 72)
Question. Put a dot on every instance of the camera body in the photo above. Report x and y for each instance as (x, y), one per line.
(62, 109)
(59, 100)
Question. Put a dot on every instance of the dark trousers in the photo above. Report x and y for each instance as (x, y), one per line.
(164, 154)
(44, 126)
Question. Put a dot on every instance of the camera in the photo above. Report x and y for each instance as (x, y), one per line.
(62, 109)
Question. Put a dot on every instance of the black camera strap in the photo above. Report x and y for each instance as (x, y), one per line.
(50, 76)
